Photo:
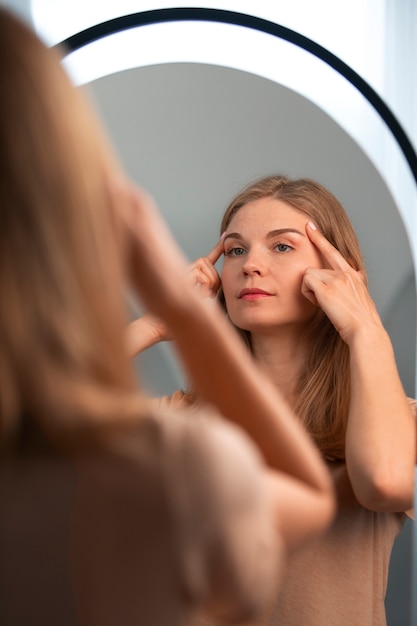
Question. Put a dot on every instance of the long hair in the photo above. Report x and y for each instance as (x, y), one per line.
(323, 390)
(62, 357)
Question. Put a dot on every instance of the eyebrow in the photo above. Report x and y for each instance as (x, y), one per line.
(270, 235)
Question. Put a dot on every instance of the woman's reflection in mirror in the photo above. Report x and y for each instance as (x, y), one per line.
(294, 286)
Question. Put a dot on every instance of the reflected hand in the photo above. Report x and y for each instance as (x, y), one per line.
(149, 329)
(158, 267)
(202, 272)
(339, 290)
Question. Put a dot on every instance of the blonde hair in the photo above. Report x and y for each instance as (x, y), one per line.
(323, 392)
(62, 357)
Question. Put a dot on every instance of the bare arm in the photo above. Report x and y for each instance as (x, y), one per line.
(148, 330)
(384, 453)
(381, 431)
(143, 333)
(224, 375)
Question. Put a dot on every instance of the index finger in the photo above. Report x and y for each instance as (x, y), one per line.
(214, 255)
(330, 254)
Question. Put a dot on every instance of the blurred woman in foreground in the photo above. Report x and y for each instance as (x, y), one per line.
(113, 512)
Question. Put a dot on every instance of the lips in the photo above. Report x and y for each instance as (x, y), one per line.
(254, 294)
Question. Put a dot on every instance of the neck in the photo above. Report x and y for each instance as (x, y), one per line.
(281, 356)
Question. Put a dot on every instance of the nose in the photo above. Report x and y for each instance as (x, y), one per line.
(253, 265)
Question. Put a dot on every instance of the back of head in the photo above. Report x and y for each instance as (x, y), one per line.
(61, 316)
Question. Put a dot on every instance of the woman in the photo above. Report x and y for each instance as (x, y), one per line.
(113, 512)
(293, 283)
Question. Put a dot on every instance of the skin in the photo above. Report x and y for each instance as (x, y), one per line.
(267, 248)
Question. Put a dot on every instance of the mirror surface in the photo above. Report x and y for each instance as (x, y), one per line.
(194, 134)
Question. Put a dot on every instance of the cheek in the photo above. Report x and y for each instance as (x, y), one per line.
(297, 284)
(294, 281)
(292, 275)
(313, 259)
(225, 278)
(225, 275)
(228, 285)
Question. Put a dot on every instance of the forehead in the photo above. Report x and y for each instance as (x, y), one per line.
(267, 214)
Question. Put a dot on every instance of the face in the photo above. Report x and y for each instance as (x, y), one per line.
(267, 251)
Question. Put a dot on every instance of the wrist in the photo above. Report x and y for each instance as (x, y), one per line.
(370, 340)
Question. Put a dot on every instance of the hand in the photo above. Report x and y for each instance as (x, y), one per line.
(339, 290)
(149, 329)
(203, 273)
(158, 268)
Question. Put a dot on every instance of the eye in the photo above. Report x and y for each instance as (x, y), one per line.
(283, 247)
(234, 251)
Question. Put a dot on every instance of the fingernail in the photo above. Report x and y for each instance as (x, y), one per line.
(311, 225)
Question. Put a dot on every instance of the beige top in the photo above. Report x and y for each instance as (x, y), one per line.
(341, 578)
(166, 522)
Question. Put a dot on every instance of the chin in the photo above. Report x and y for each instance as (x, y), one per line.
(252, 325)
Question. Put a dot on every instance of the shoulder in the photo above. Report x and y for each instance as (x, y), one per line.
(203, 438)
(197, 436)
(223, 515)
(185, 489)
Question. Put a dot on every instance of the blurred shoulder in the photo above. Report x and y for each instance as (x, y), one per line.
(199, 430)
